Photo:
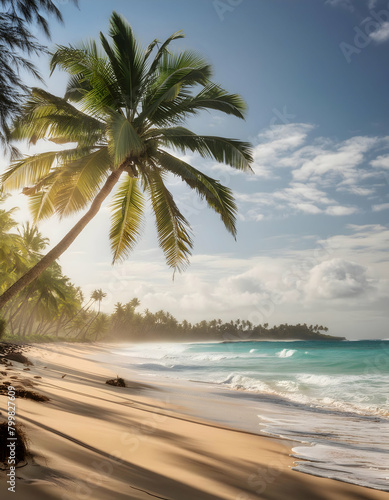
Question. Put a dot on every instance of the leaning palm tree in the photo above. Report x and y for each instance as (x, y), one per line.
(97, 296)
(124, 107)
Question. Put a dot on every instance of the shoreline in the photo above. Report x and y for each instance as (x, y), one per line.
(96, 441)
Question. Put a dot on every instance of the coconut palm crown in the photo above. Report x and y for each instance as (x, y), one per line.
(124, 110)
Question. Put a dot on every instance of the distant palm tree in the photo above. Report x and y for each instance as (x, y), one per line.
(96, 296)
(100, 326)
(128, 110)
(33, 241)
(134, 303)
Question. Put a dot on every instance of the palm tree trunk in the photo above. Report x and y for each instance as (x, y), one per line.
(65, 243)
(78, 312)
(30, 321)
(60, 323)
(88, 327)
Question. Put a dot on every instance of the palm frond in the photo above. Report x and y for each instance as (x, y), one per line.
(76, 88)
(47, 116)
(95, 73)
(212, 97)
(28, 171)
(126, 58)
(176, 73)
(218, 197)
(235, 153)
(174, 232)
(42, 203)
(123, 139)
(81, 181)
(163, 50)
(127, 208)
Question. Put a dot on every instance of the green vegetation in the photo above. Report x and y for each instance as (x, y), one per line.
(127, 325)
(124, 106)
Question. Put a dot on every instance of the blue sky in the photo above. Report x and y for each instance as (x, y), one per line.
(312, 230)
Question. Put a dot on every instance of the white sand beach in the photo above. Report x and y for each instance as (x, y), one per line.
(95, 441)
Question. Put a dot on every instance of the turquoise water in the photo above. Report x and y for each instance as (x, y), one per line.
(352, 376)
(331, 397)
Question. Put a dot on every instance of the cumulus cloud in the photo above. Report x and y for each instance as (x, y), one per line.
(277, 142)
(380, 162)
(310, 172)
(338, 159)
(337, 278)
(297, 198)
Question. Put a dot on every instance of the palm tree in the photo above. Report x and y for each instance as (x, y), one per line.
(11, 246)
(100, 326)
(96, 296)
(34, 242)
(128, 109)
(16, 39)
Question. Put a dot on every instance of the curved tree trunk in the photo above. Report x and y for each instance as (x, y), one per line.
(58, 250)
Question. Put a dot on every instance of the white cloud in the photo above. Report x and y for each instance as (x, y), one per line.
(381, 34)
(380, 162)
(340, 210)
(308, 208)
(357, 190)
(345, 4)
(380, 207)
(349, 272)
(277, 142)
(340, 159)
(299, 192)
(314, 170)
(337, 278)
(298, 197)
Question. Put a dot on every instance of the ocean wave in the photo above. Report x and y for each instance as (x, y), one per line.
(286, 353)
(213, 357)
(167, 367)
(243, 382)
(290, 391)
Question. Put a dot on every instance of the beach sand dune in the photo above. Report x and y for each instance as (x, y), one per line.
(99, 442)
